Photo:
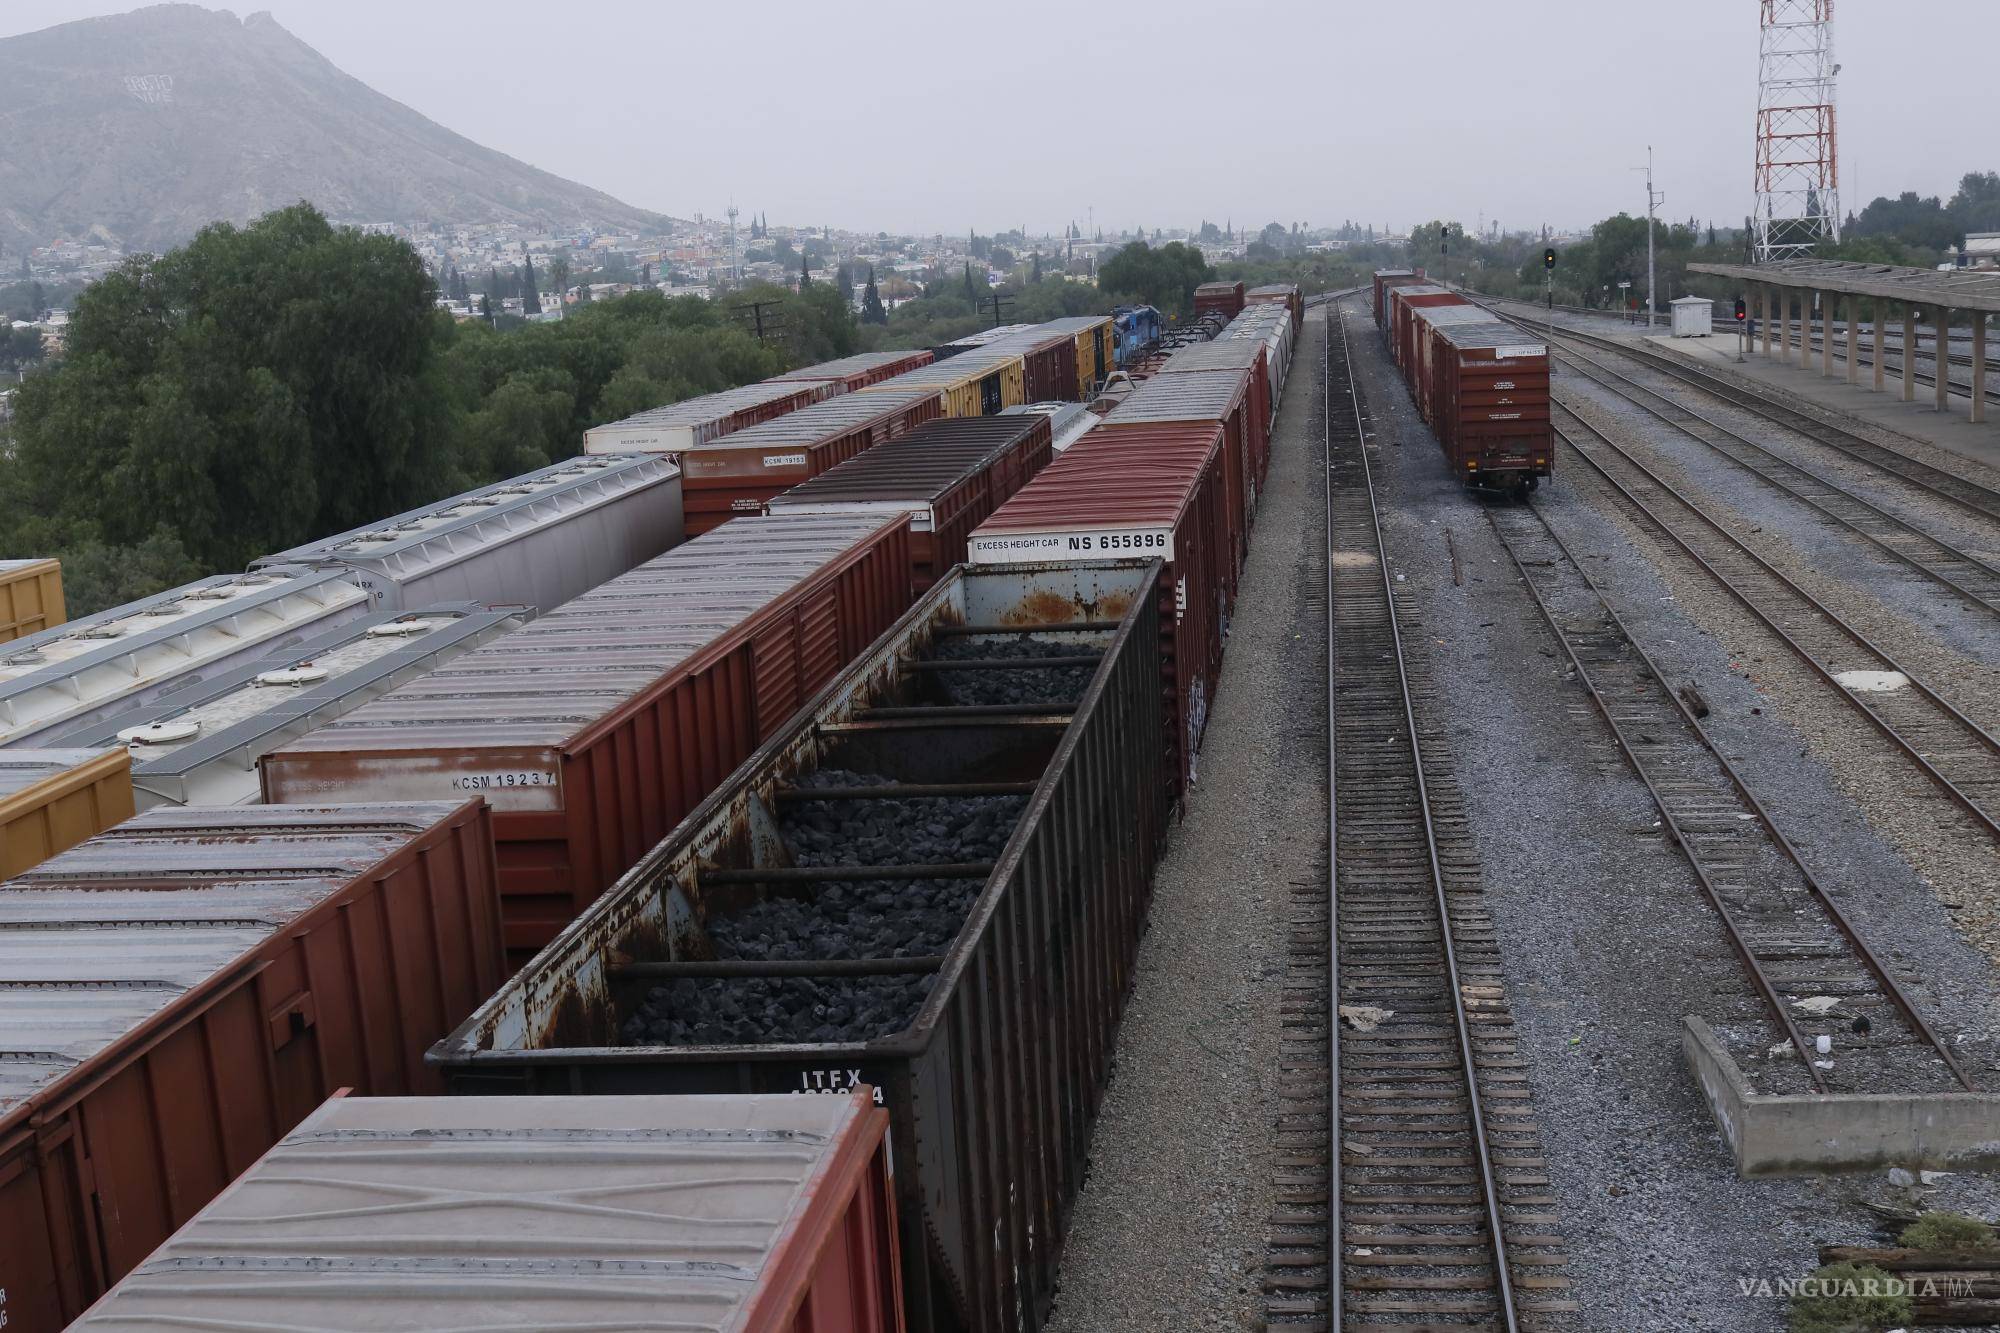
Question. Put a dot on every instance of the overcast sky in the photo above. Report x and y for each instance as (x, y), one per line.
(908, 115)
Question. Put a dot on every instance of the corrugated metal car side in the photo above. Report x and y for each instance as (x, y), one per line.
(992, 1089)
(397, 940)
(51, 800)
(858, 371)
(1049, 371)
(1223, 398)
(613, 764)
(1386, 279)
(31, 597)
(735, 476)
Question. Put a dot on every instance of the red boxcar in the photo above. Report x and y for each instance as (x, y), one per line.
(1145, 489)
(595, 728)
(1222, 397)
(1489, 394)
(1387, 278)
(857, 371)
(1228, 355)
(681, 426)
(1402, 329)
(1418, 372)
(947, 475)
(1226, 297)
(182, 990)
(735, 475)
(1285, 293)
(761, 1214)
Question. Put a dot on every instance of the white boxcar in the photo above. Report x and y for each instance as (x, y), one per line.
(200, 745)
(133, 654)
(536, 540)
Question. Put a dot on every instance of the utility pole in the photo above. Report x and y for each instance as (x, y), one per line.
(766, 329)
(998, 302)
(1654, 199)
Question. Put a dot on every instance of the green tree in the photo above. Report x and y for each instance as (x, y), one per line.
(805, 273)
(871, 302)
(256, 388)
(971, 289)
(19, 348)
(1165, 277)
(531, 297)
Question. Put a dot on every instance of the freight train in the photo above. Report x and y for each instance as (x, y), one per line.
(1480, 384)
(791, 806)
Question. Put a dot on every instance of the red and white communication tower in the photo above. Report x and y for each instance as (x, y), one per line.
(1798, 173)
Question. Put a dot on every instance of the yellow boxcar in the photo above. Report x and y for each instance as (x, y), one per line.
(975, 383)
(51, 800)
(31, 597)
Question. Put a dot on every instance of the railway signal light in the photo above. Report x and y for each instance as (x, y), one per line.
(1549, 258)
(1742, 310)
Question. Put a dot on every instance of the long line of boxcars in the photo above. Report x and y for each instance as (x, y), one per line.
(857, 850)
(1480, 384)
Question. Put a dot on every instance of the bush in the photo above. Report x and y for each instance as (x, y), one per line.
(1953, 1233)
(1851, 1298)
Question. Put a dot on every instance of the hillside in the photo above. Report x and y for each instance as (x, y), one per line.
(140, 128)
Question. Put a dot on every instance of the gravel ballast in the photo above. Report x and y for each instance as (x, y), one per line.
(1169, 1230)
(1604, 937)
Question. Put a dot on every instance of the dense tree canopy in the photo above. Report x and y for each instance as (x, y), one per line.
(260, 384)
(1165, 277)
(270, 384)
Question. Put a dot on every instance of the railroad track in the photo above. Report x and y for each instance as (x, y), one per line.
(1961, 758)
(1791, 937)
(1971, 578)
(1732, 328)
(1935, 481)
(1419, 1116)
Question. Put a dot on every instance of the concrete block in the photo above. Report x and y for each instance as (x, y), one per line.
(1815, 1133)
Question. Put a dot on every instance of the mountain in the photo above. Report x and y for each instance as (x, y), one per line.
(140, 128)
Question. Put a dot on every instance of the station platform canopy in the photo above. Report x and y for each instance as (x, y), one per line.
(1954, 289)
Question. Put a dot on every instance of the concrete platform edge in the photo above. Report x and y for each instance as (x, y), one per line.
(1824, 1133)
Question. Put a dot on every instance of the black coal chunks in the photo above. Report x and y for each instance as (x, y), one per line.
(777, 1010)
(875, 918)
(1012, 685)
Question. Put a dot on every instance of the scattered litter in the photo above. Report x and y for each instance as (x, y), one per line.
(1823, 1044)
(1933, 1177)
(1364, 1017)
(1781, 1050)
(1816, 1004)
(1872, 682)
(1363, 1249)
(1822, 1064)
(1898, 1176)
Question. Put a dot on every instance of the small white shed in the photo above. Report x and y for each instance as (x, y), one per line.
(1694, 317)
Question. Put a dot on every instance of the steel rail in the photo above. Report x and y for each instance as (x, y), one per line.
(1970, 729)
(1467, 1059)
(1947, 486)
(1599, 373)
(1746, 954)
